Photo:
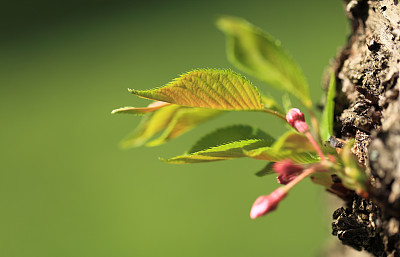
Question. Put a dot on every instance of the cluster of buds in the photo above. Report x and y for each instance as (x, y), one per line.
(289, 174)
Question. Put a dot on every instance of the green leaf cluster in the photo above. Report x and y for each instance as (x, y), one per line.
(202, 94)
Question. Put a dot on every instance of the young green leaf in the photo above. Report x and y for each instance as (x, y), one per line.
(294, 141)
(290, 145)
(184, 120)
(224, 144)
(353, 176)
(327, 114)
(227, 151)
(141, 110)
(230, 134)
(257, 53)
(216, 89)
(151, 124)
(270, 154)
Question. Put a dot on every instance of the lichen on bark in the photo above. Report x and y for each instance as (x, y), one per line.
(368, 110)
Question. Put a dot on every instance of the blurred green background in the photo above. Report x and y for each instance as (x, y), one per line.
(66, 189)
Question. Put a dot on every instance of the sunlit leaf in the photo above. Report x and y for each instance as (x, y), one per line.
(141, 110)
(352, 175)
(184, 120)
(270, 154)
(257, 53)
(227, 151)
(224, 144)
(267, 170)
(291, 145)
(293, 141)
(328, 113)
(207, 88)
(230, 134)
(150, 125)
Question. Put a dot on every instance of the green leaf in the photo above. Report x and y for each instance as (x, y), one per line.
(270, 154)
(294, 141)
(353, 175)
(216, 89)
(328, 113)
(257, 53)
(150, 125)
(141, 110)
(173, 120)
(230, 134)
(228, 151)
(184, 120)
(267, 170)
(290, 145)
(224, 144)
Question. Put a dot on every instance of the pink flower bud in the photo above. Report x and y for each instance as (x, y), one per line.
(267, 203)
(294, 115)
(287, 171)
(296, 119)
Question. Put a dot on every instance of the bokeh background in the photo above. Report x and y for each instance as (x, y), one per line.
(66, 189)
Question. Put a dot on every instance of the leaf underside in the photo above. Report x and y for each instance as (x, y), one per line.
(141, 110)
(259, 54)
(151, 124)
(172, 120)
(184, 120)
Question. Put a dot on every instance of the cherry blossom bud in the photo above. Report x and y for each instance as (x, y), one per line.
(294, 115)
(296, 119)
(267, 203)
(287, 171)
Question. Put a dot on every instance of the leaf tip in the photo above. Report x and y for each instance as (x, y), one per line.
(155, 142)
(124, 146)
(165, 160)
(134, 91)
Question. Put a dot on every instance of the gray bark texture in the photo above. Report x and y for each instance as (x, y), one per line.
(368, 110)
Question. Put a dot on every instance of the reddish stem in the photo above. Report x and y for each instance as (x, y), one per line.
(299, 178)
(316, 146)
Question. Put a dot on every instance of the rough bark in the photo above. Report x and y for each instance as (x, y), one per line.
(368, 110)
